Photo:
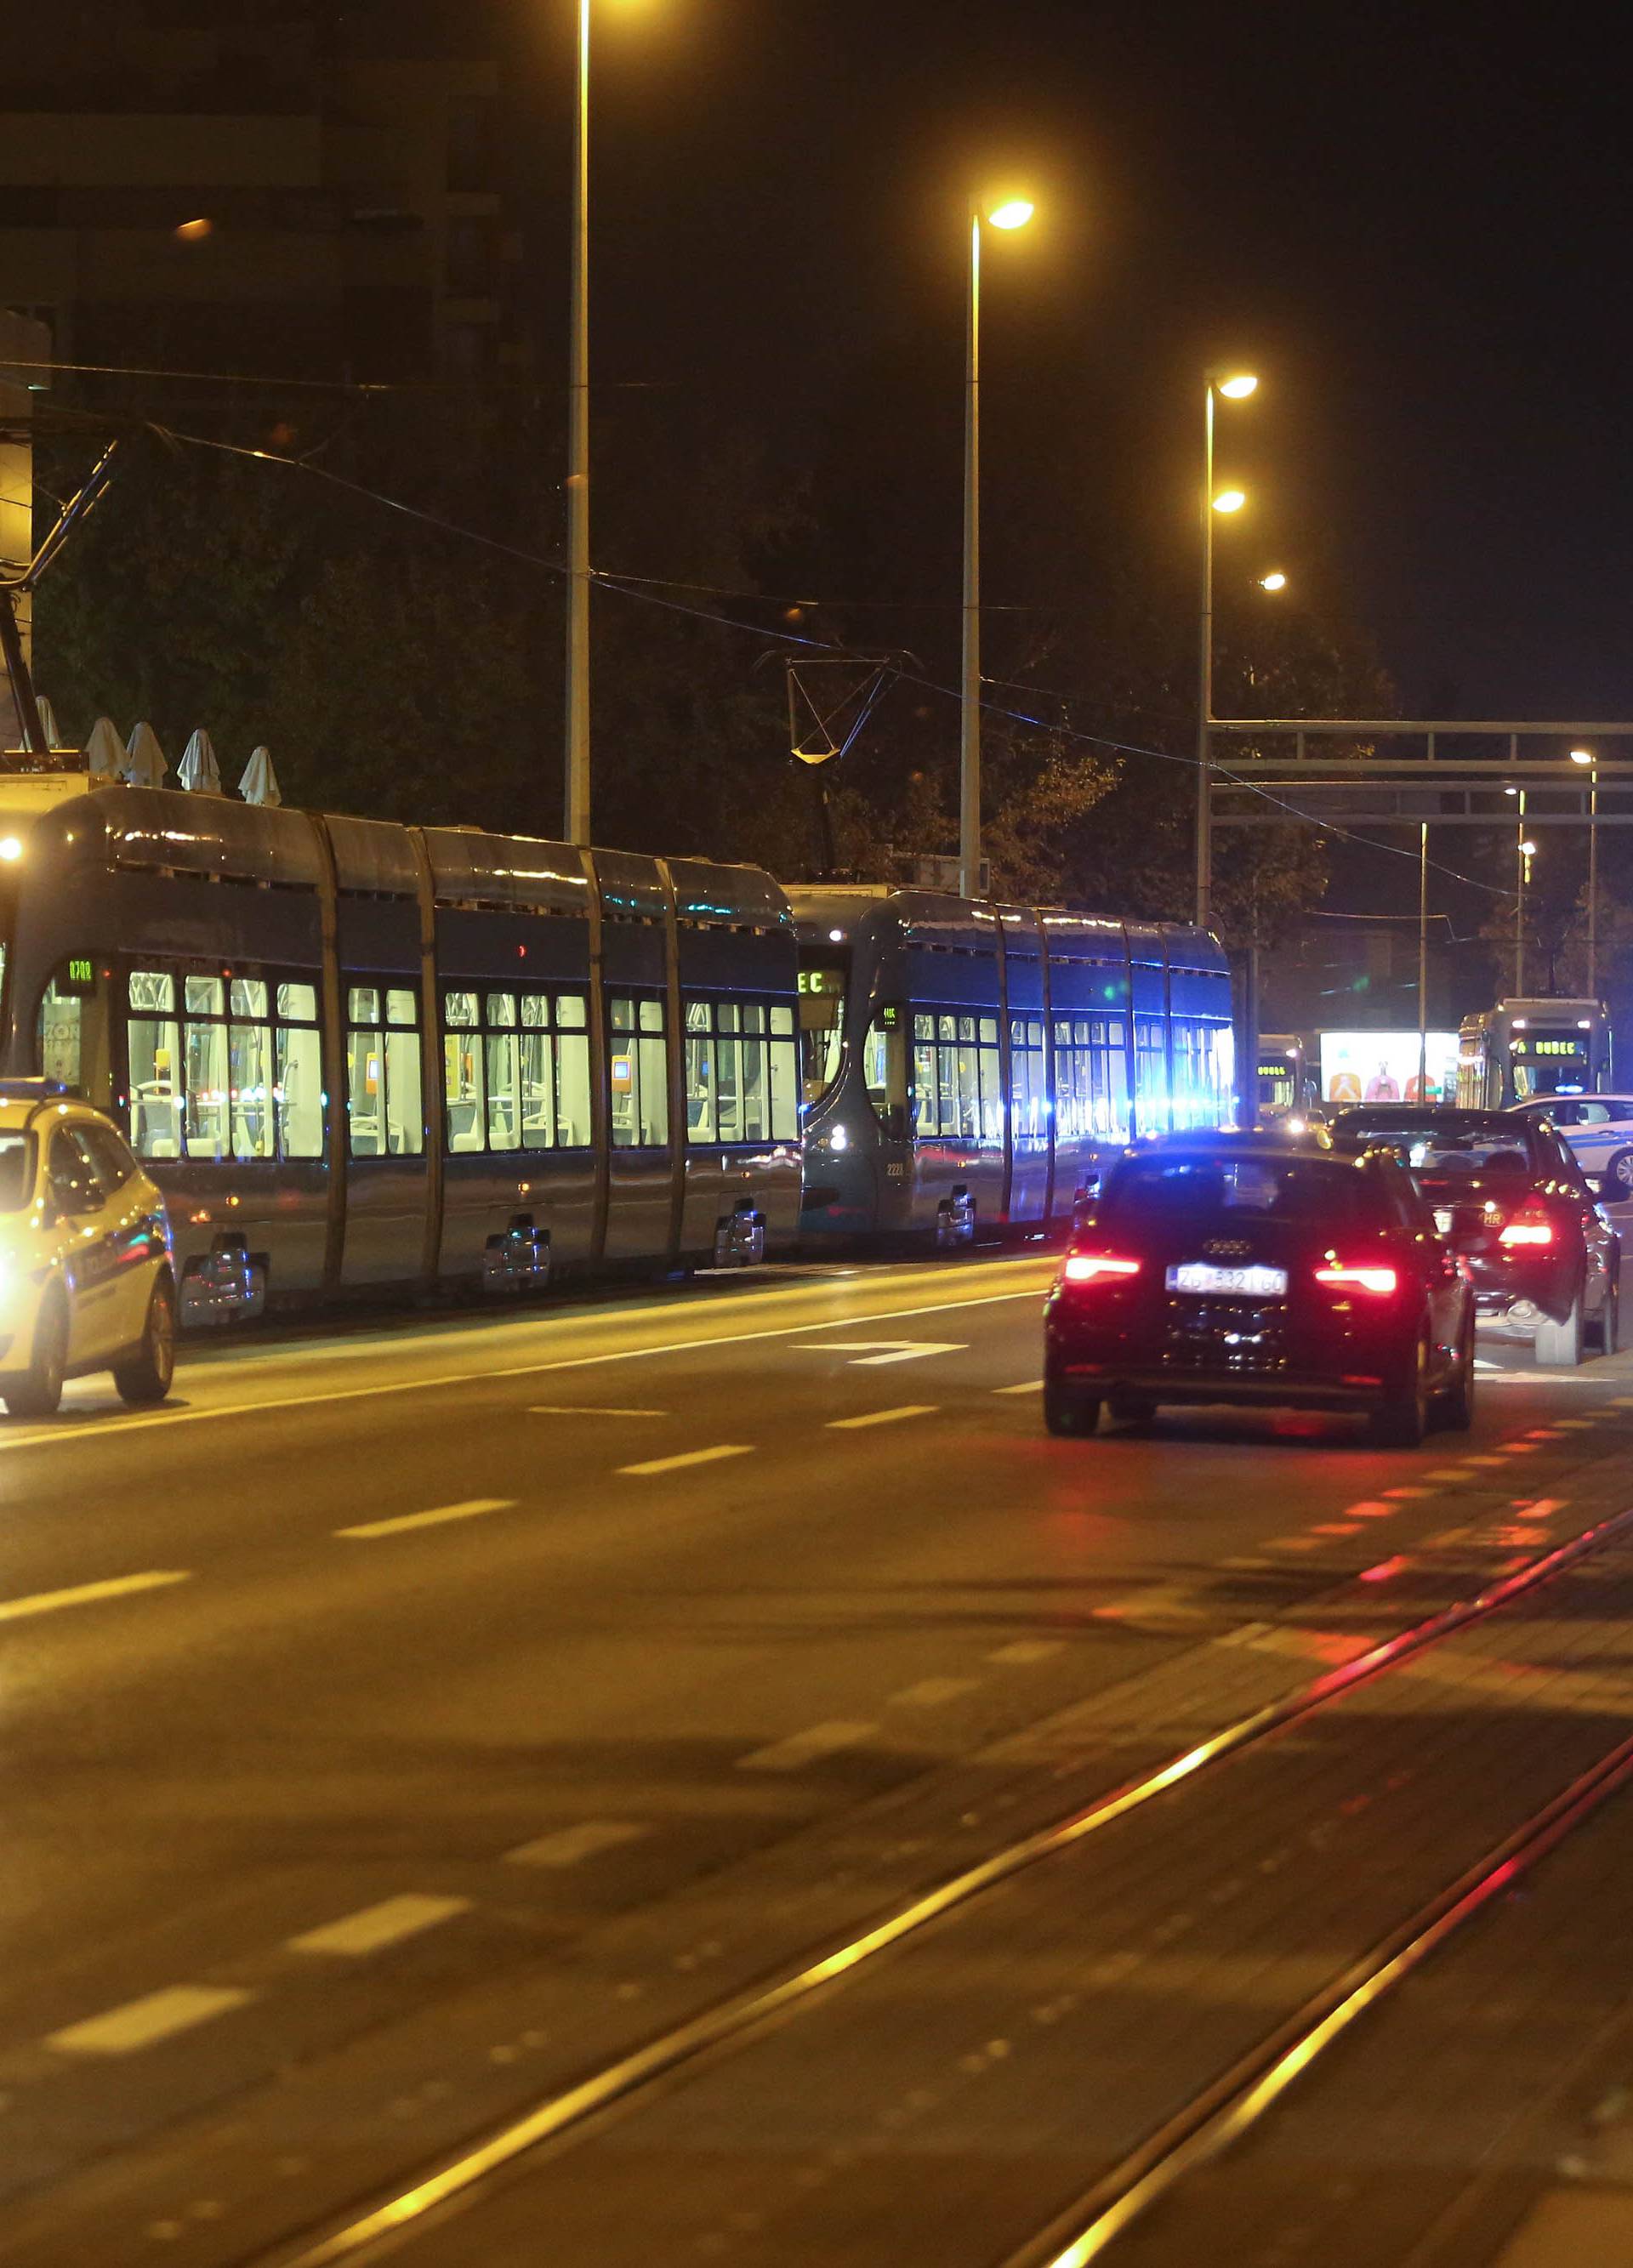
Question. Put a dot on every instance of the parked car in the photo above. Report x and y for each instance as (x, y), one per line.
(1264, 1269)
(85, 1276)
(1598, 1131)
(1541, 1251)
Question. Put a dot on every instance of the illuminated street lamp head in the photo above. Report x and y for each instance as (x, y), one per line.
(1274, 581)
(1582, 756)
(1528, 850)
(1237, 388)
(1014, 212)
(1229, 500)
(1510, 791)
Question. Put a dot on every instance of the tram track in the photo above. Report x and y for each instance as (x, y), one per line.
(1222, 2106)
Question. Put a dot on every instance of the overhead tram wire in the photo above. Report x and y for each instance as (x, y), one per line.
(607, 581)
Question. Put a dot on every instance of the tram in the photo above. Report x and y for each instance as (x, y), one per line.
(970, 1063)
(360, 1058)
(1288, 1085)
(366, 1059)
(1522, 1049)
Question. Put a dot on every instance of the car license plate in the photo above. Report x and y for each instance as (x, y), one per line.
(1444, 1220)
(1253, 1283)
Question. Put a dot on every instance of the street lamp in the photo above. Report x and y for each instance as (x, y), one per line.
(1586, 756)
(1007, 213)
(1525, 852)
(577, 826)
(1274, 581)
(1236, 387)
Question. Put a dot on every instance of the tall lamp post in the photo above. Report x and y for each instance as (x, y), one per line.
(1587, 758)
(1233, 389)
(1014, 212)
(577, 827)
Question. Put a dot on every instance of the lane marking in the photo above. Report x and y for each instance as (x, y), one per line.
(881, 1417)
(1445, 1473)
(569, 1846)
(873, 1354)
(1021, 1651)
(806, 1748)
(140, 2023)
(1027, 1386)
(100, 1429)
(372, 1928)
(931, 1692)
(691, 1457)
(405, 1521)
(587, 1409)
(86, 1594)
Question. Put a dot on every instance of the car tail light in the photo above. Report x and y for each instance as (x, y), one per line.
(1381, 1281)
(1530, 1226)
(1097, 1268)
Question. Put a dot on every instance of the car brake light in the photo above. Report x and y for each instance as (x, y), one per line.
(1530, 1226)
(1379, 1280)
(1097, 1268)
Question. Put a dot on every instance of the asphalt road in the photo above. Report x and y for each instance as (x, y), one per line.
(406, 1716)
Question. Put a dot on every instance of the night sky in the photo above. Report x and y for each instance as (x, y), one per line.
(1410, 221)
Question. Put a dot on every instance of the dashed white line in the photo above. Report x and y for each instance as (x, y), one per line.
(472, 1509)
(569, 1846)
(931, 1692)
(86, 1594)
(372, 1928)
(691, 1457)
(805, 1747)
(141, 2024)
(1027, 1386)
(881, 1417)
(587, 1409)
(1021, 1651)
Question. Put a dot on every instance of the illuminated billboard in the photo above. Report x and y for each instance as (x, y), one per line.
(1382, 1067)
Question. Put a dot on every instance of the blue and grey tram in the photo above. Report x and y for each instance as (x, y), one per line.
(366, 1059)
(970, 1064)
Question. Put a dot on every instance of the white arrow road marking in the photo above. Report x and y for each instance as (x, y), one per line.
(872, 1353)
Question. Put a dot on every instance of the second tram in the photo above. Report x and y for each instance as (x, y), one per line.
(970, 1062)
(1522, 1049)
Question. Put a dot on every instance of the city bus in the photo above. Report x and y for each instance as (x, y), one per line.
(1522, 1049)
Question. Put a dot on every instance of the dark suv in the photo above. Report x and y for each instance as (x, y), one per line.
(1249, 1268)
(1510, 1195)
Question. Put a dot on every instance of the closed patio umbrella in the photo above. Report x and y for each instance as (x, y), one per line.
(198, 769)
(259, 784)
(144, 764)
(105, 759)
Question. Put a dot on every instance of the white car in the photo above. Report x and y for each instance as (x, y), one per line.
(86, 1281)
(1598, 1128)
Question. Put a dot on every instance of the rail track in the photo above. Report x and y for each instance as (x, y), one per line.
(1223, 2103)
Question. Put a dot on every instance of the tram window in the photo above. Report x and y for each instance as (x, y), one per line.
(638, 1069)
(208, 1078)
(700, 1120)
(884, 1070)
(463, 1087)
(573, 1072)
(503, 1073)
(1029, 1088)
(297, 1004)
(1152, 1101)
(299, 1090)
(785, 1102)
(249, 1085)
(153, 1038)
(538, 1084)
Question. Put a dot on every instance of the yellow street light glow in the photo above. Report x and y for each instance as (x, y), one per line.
(1014, 212)
(1238, 388)
(9, 847)
(1229, 500)
(1582, 756)
(1274, 581)
(1529, 849)
(193, 231)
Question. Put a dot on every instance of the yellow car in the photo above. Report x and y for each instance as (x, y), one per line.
(85, 1276)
